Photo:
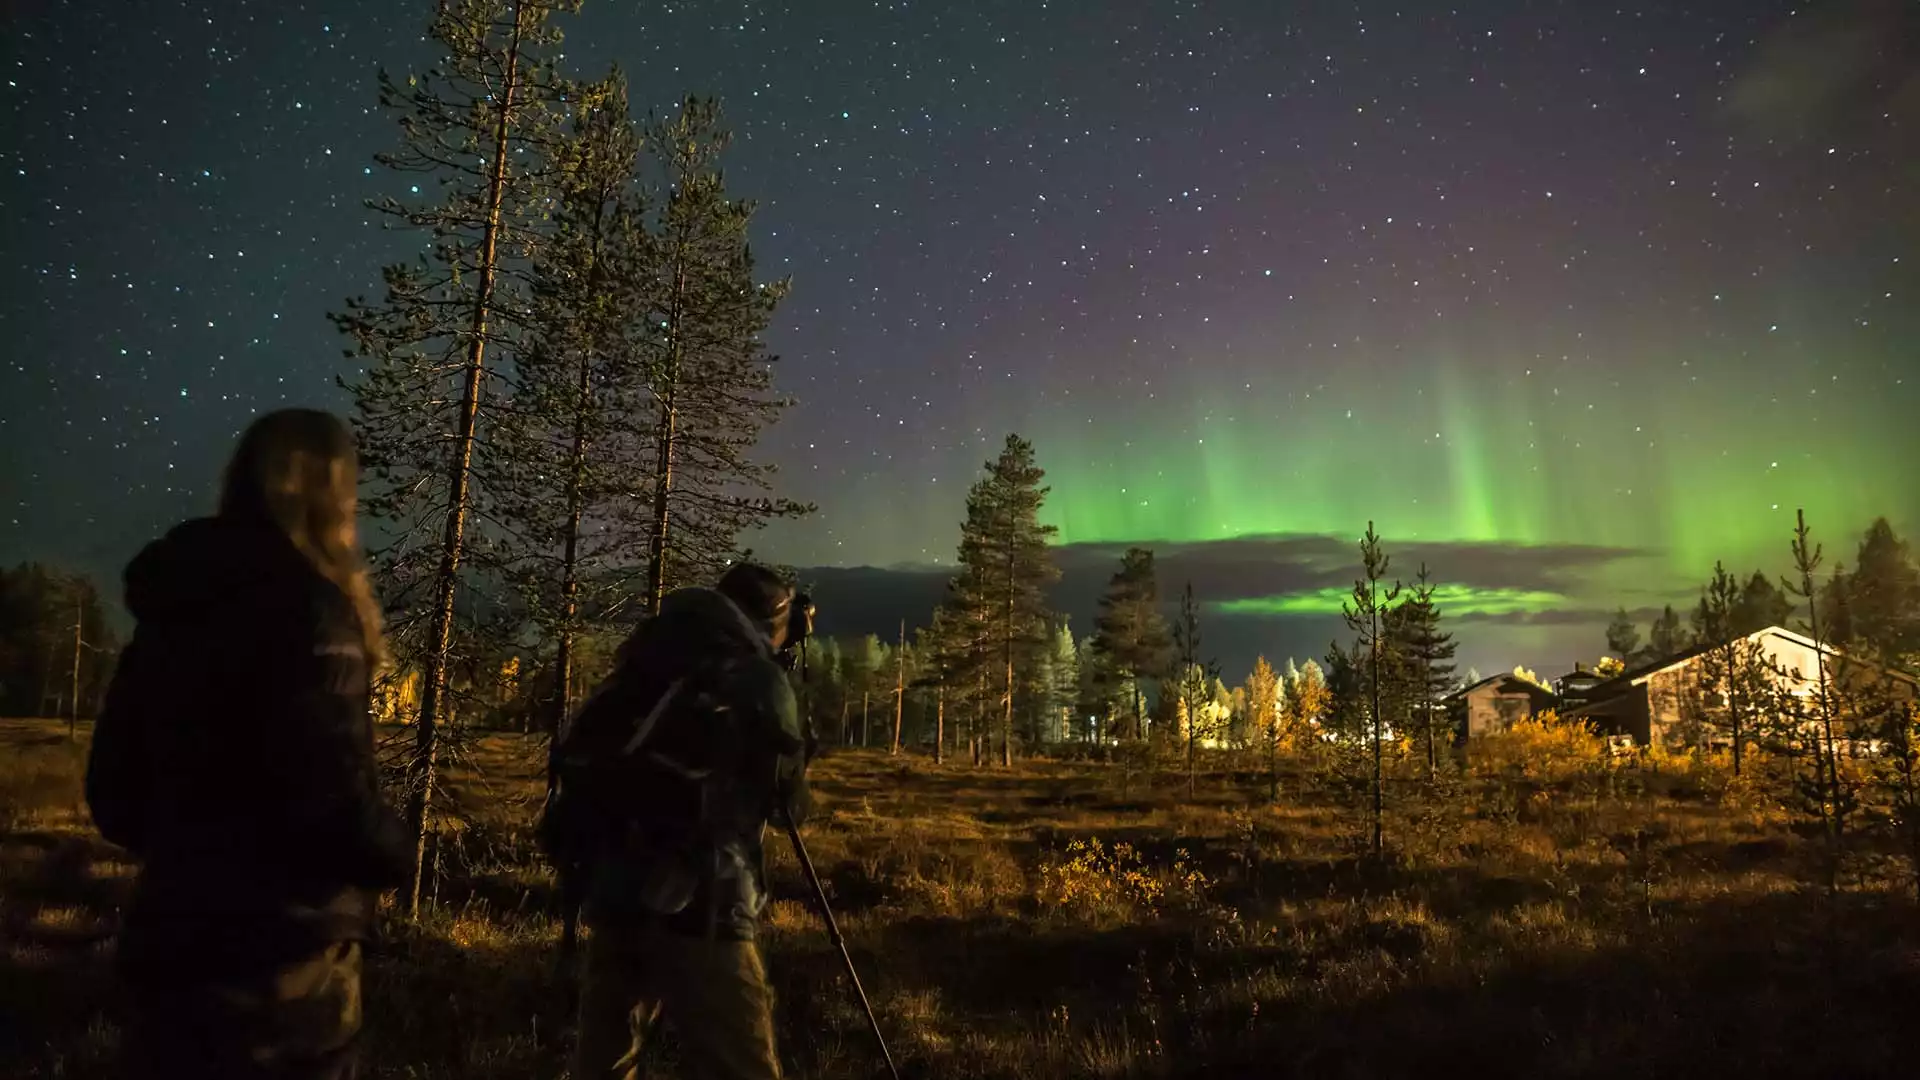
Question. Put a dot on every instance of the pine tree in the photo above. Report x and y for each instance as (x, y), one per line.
(1894, 725)
(937, 647)
(1099, 691)
(865, 664)
(1007, 567)
(1884, 594)
(1836, 606)
(1623, 637)
(899, 688)
(1429, 652)
(1734, 680)
(1828, 795)
(1762, 604)
(480, 123)
(1669, 638)
(965, 655)
(1263, 718)
(578, 379)
(1194, 677)
(1130, 636)
(1366, 617)
(712, 377)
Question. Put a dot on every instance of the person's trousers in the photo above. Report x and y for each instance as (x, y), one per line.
(299, 1021)
(714, 994)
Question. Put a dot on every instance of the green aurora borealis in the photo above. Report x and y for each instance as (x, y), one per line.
(1670, 474)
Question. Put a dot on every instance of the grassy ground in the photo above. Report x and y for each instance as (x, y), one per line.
(1062, 919)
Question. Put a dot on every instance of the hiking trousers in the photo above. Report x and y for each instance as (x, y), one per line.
(713, 993)
(298, 1021)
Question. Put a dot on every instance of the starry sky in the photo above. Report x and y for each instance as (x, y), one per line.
(1570, 301)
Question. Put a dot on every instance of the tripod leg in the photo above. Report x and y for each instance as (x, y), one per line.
(840, 942)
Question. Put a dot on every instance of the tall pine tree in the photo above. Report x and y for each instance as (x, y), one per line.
(477, 127)
(1194, 677)
(1366, 616)
(1130, 635)
(710, 371)
(1822, 788)
(579, 379)
(1006, 569)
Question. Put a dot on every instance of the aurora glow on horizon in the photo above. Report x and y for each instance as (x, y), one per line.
(1569, 302)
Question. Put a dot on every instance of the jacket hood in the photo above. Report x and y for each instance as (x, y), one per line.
(207, 564)
(710, 615)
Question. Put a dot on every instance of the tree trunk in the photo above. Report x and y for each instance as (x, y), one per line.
(79, 620)
(1193, 746)
(433, 692)
(940, 727)
(899, 687)
(576, 513)
(1273, 763)
(669, 430)
(663, 485)
(865, 728)
(1379, 794)
(846, 731)
(1006, 720)
(1426, 703)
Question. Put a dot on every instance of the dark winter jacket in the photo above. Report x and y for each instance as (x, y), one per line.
(234, 756)
(727, 733)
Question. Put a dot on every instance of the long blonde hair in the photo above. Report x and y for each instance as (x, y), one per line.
(298, 469)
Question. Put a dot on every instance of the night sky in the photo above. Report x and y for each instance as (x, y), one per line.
(1570, 301)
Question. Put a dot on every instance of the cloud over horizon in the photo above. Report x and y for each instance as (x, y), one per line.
(1543, 605)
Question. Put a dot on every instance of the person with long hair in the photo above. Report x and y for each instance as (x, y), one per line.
(234, 758)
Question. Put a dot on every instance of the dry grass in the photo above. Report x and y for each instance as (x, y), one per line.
(1055, 921)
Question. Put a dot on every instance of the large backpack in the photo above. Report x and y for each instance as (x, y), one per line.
(637, 765)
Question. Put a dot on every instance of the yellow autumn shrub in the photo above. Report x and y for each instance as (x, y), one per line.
(1091, 878)
(1543, 749)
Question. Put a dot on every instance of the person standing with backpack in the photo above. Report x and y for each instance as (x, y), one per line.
(234, 758)
(667, 780)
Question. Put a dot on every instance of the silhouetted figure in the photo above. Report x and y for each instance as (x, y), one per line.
(234, 757)
(672, 771)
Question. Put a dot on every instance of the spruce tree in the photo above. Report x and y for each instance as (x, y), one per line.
(1130, 636)
(1884, 594)
(1669, 637)
(1007, 567)
(1761, 605)
(1429, 654)
(1366, 617)
(1623, 637)
(1835, 606)
(710, 372)
(476, 128)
